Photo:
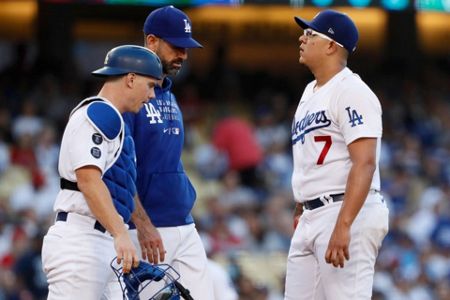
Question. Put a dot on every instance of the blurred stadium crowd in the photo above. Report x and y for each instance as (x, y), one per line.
(238, 156)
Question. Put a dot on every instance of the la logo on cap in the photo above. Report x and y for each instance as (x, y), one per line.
(187, 26)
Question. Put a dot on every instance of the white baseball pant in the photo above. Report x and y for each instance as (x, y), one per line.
(76, 259)
(186, 254)
(309, 277)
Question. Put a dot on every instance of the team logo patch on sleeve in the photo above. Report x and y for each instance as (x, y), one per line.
(97, 138)
(354, 117)
(96, 152)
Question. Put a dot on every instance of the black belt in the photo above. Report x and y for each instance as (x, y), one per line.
(316, 203)
(65, 184)
(62, 216)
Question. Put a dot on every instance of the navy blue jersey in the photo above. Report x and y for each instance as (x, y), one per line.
(163, 187)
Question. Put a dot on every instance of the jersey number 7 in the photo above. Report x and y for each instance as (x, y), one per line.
(326, 147)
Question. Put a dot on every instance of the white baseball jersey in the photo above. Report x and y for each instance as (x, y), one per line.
(83, 145)
(326, 121)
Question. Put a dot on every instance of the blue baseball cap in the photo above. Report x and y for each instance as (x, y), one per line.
(172, 25)
(336, 25)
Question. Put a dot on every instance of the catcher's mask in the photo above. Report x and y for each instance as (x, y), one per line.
(162, 277)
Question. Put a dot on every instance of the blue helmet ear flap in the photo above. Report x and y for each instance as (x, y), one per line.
(162, 278)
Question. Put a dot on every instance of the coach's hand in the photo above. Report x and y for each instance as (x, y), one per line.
(126, 252)
(151, 243)
(337, 251)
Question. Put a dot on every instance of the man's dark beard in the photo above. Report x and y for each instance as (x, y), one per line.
(168, 69)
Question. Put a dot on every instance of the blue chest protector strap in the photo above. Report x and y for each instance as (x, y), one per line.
(65, 184)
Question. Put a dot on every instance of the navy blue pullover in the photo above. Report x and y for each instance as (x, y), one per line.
(165, 190)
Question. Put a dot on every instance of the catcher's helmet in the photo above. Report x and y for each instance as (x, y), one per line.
(162, 277)
(130, 59)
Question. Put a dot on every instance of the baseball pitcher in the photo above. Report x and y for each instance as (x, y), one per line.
(340, 216)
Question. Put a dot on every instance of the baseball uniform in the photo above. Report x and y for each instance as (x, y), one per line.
(327, 120)
(77, 250)
(165, 190)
